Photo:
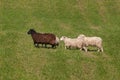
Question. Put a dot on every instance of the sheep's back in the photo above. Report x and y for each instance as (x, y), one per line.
(73, 42)
(92, 40)
(44, 38)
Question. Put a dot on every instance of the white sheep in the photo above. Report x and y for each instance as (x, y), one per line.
(71, 43)
(91, 41)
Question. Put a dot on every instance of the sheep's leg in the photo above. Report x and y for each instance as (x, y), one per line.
(85, 49)
(80, 49)
(70, 47)
(65, 47)
(101, 49)
(98, 50)
(45, 45)
(57, 44)
(36, 45)
(53, 46)
(41, 45)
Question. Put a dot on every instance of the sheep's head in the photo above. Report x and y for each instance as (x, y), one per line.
(31, 31)
(81, 36)
(62, 38)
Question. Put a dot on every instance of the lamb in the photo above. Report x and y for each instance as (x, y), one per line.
(91, 41)
(42, 38)
(71, 43)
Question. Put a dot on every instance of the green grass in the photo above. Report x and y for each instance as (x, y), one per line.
(20, 60)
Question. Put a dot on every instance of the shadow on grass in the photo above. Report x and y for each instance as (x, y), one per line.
(47, 47)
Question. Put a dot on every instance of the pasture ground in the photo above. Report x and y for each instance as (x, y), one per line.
(20, 60)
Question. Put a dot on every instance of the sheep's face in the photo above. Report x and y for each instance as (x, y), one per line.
(81, 36)
(62, 38)
(31, 31)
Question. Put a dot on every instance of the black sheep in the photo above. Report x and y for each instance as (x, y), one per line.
(42, 38)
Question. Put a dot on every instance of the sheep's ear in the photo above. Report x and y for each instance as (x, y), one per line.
(63, 36)
(32, 29)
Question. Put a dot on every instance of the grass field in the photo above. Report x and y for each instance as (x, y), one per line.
(20, 60)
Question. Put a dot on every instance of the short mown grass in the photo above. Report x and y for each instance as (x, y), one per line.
(20, 60)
